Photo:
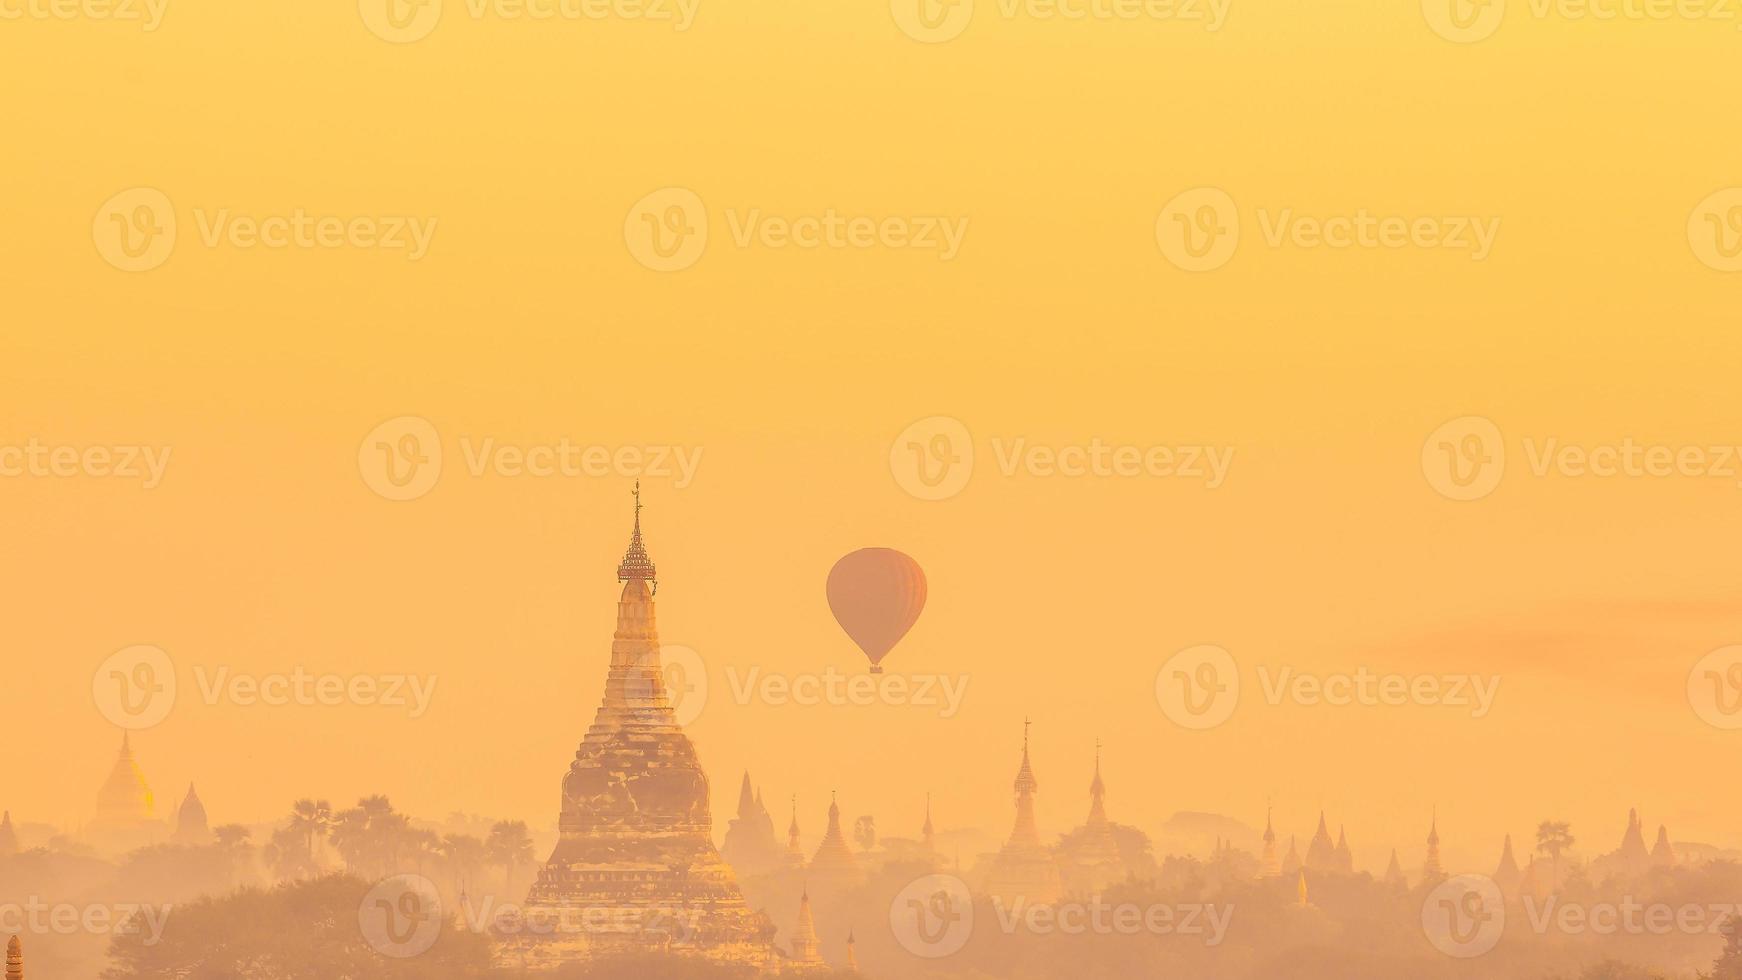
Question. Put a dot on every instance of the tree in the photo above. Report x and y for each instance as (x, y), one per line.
(509, 845)
(865, 833)
(299, 930)
(1729, 965)
(1553, 838)
(311, 820)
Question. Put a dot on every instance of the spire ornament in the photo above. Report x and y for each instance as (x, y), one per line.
(636, 565)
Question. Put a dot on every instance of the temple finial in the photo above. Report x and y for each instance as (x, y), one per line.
(636, 565)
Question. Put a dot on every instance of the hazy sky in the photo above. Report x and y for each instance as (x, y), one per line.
(792, 371)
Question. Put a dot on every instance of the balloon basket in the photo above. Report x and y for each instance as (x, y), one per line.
(875, 669)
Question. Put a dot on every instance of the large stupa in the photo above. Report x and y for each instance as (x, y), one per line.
(635, 867)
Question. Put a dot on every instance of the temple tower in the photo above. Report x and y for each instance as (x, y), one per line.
(8, 836)
(14, 960)
(1662, 855)
(804, 936)
(1093, 859)
(834, 861)
(1507, 875)
(1345, 857)
(191, 827)
(1292, 862)
(751, 848)
(794, 849)
(635, 856)
(1394, 878)
(1024, 870)
(1321, 851)
(1432, 871)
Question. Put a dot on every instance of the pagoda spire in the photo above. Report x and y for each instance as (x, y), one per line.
(1097, 793)
(834, 857)
(794, 851)
(852, 953)
(14, 960)
(804, 935)
(636, 566)
(1027, 830)
(1432, 870)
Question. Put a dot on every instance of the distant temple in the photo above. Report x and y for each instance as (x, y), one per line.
(1632, 859)
(1091, 857)
(806, 954)
(190, 822)
(1292, 862)
(1394, 878)
(1432, 871)
(1024, 870)
(14, 960)
(751, 848)
(8, 836)
(126, 808)
(635, 867)
(834, 862)
(1321, 852)
(1508, 876)
(1345, 857)
(794, 849)
(1268, 865)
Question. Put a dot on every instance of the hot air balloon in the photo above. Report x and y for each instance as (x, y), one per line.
(877, 595)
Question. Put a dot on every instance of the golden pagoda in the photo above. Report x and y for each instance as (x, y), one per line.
(635, 866)
(805, 945)
(1024, 871)
(126, 808)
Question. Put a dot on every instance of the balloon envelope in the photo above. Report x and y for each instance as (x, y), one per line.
(877, 595)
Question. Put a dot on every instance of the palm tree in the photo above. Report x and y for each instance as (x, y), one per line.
(231, 840)
(1552, 838)
(509, 844)
(311, 819)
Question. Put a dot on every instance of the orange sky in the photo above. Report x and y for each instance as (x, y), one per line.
(791, 371)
